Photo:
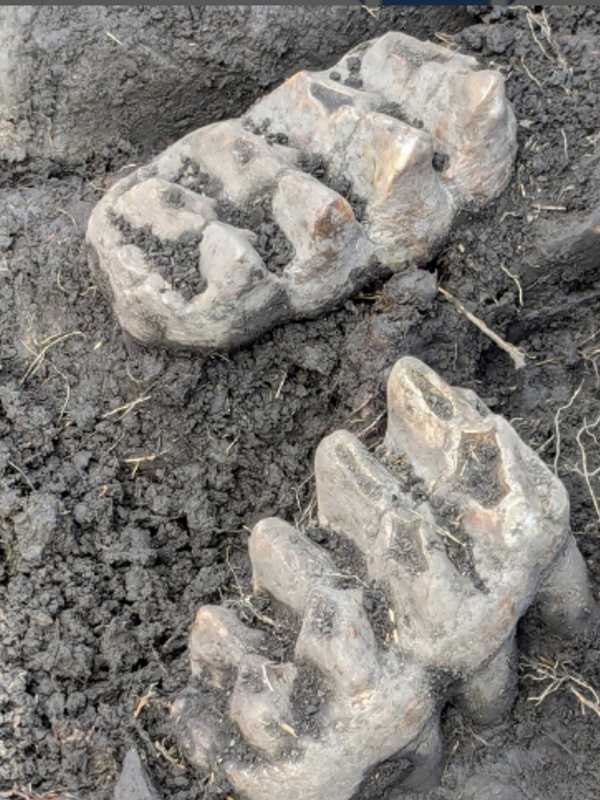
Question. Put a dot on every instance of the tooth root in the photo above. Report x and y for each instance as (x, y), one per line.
(261, 706)
(353, 489)
(565, 599)
(218, 642)
(489, 694)
(337, 638)
(286, 563)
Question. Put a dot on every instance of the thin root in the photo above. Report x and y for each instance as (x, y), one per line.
(517, 356)
(40, 355)
(556, 675)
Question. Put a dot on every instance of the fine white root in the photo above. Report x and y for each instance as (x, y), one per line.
(517, 356)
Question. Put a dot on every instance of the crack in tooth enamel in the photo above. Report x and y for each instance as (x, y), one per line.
(453, 618)
(417, 108)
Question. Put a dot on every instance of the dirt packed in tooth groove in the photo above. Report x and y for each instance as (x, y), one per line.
(129, 477)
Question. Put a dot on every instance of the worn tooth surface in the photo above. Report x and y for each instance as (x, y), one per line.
(378, 136)
(219, 641)
(464, 108)
(307, 108)
(167, 208)
(286, 564)
(409, 210)
(260, 703)
(337, 637)
(458, 528)
(513, 512)
(328, 242)
(354, 489)
(242, 163)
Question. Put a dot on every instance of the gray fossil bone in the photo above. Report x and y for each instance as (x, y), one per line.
(461, 528)
(354, 175)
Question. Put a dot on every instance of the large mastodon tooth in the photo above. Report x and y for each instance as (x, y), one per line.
(457, 527)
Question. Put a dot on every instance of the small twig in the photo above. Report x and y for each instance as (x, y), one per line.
(530, 74)
(126, 408)
(114, 38)
(542, 207)
(232, 445)
(51, 341)
(245, 599)
(137, 461)
(22, 474)
(160, 748)
(565, 145)
(516, 280)
(584, 472)
(517, 356)
(280, 387)
(374, 12)
(586, 702)
(556, 675)
(266, 680)
(144, 700)
(373, 424)
(557, 424)
(288, 729)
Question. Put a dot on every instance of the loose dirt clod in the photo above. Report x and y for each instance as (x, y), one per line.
(453, 605)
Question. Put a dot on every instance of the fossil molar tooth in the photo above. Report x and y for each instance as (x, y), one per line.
(460, 527)
(405, 134)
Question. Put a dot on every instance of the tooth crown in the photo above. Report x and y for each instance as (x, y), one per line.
(459, 527)
(376, 133)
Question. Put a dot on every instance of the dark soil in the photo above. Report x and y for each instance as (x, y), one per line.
(104, 559)
(176, 260)
(315, 165)
(271, 243)
(382, 781)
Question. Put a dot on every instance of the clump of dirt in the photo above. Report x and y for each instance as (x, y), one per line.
(310, 695)
(351, 573)
(480, 468)
(176, 260)
(263, 129)
(271, 243)
(384, 780)
(398, 112)
(315, 165)
(192, 177)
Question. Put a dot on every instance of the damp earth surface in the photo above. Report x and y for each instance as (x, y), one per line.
(130, 477)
